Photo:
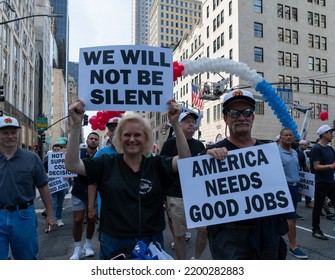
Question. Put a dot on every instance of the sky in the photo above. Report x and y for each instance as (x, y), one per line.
(98, 23)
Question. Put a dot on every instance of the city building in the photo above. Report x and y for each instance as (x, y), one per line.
(170, 19)
(287, 43)
(25, 49)
(140, 22)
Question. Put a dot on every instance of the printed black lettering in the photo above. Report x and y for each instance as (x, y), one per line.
(262, 158)
(108, 57)
(92, 57)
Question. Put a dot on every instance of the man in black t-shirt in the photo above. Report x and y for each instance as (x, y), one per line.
(174, 200)
(252, 239)
(323, 166)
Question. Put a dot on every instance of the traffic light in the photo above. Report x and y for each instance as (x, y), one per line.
(85, 121)
(43, 137)
(2, 94)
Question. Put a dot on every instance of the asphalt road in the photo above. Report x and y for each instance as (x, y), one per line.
(58, 245)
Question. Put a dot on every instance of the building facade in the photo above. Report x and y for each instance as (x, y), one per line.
(289, 44)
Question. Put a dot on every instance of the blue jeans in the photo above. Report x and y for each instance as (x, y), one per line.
(19, 230)
(110, 244)
(57, 202)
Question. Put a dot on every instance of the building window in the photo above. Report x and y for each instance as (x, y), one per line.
(317, 64)
(295, 14)
(310, 63)
(324, 87)
(323, 43)
(207, 31)
(323, 21)
(295, 85)
(258, 6)
(208, 115)
(280, 34)
(280, 11)
(258, 54)
(288, 59)
(318, 86)
(287, 12)
(258, 29)
(287, 35)
(295, 60)
(295, 37)
(316, 19)
(311, 86)
(259, 108)
(312, 105)
(230, 32)
(230, 8)
(311, 40)
(324, 65)
(310, 18)
(281, 58)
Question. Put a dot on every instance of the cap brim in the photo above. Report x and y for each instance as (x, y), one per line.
(6, 126)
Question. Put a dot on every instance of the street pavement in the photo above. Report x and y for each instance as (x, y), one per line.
(58, 245)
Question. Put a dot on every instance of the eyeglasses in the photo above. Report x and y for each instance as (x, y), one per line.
(236, 113)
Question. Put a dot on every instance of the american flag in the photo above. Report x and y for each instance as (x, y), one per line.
(196, 101)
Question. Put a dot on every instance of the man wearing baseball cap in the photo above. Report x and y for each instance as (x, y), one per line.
(21, 171)
(243, 239)
(174, 198)
(323, 166)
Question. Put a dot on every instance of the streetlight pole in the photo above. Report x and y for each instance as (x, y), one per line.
(31, 16)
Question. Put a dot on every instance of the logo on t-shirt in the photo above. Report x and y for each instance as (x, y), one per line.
(145, 186)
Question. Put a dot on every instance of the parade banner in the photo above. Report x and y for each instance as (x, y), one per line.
(307, 183)
(56, 166)
(248, 183)
(131, 78)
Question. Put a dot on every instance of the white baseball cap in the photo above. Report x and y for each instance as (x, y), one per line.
(7, 121)
(113, 121)
(183, 115)
(323, 129)
(303, 142)
(238, 95)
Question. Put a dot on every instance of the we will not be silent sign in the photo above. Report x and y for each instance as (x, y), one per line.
(134, 78)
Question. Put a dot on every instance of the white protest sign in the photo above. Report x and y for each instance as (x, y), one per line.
(307, 183)
(130, 78)
(248, 183)
(57, 184)
(56, 166)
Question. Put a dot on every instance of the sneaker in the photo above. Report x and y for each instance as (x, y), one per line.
(172, 245)
(330, 215)
(298, 253)
(319, 234)
(300, 217)
(78, 254)
(88, 251)
(60, 223)
(188, 237)
(309, 205)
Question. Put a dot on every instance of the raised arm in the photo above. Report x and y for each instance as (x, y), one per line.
(73, 162)
(182, 146)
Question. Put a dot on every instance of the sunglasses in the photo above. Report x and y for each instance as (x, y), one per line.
(236, 113)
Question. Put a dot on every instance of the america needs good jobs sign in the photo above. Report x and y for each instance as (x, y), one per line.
(248, 183)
